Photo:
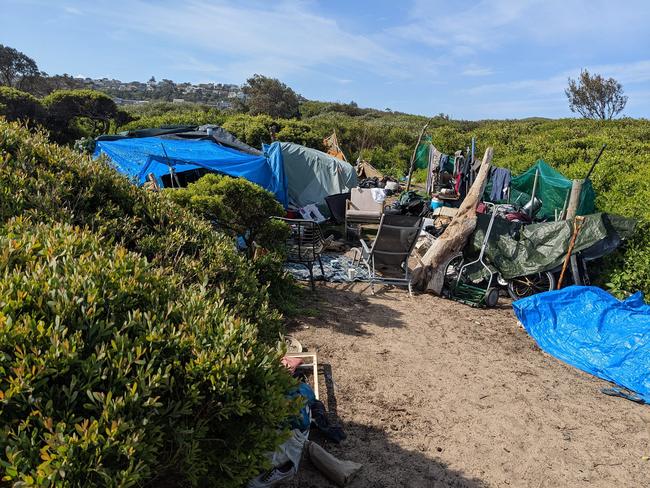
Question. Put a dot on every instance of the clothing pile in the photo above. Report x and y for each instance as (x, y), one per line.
(449, 172)
(409, 203)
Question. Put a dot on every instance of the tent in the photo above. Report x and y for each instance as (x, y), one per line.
(209, 132)
(312, 175)
(137, 157)
(553, 188)
(367, 170)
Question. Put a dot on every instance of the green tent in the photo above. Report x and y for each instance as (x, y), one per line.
(552, 189)
(312, 175)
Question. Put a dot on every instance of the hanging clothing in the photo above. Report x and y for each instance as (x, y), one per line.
(434, 168)
(500, 184)
(444, 159)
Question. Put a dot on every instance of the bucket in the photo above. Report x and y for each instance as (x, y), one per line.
(435, 203)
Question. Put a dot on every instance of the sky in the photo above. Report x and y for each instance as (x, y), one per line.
(489, 59)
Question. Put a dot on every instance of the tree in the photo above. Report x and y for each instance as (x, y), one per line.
(270, 96)
(17, 70)
(18, 105)
(70, 109)
(595, 97)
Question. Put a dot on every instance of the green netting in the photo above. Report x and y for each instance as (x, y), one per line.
(422, 154)
(552, 189)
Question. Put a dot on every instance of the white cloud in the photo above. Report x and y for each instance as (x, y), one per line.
(461, 29)
(276, 38)
(476, 70)
(625, 73)
(72, 10)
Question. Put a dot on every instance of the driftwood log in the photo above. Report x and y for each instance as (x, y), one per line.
(455, 236)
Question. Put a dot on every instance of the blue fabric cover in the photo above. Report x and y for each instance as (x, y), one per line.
(593, 331)
(137, 157)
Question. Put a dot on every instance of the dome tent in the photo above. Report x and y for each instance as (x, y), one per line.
(313, 175)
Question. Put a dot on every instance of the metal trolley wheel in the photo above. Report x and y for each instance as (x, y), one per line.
(525, 286)
(491, 297)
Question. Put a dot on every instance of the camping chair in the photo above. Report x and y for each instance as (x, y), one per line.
(390, 251)
(305, 245)
(362, 208)
(337, 205)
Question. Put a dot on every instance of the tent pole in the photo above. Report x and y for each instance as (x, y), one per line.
(591, 170)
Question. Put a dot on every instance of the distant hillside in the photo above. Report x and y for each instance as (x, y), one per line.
(219, 95)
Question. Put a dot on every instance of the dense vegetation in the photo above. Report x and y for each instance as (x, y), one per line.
(136, 344)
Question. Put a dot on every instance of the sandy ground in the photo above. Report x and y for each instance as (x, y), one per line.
(433, 393)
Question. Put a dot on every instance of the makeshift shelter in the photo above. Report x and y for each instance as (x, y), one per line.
(137, 157)
(208, 132)
(553, 189)
(367, 170)
(535, 248)
(331, 143)
(312, 175)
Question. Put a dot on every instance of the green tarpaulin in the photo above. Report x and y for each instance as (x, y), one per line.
(552, 189)
(519, 251)
(312, 175)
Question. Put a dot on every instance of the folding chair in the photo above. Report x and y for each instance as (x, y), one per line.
(305, 245)
(362, 208)
(389, 252)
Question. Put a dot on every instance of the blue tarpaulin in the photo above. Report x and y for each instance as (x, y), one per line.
(593, 331)
(137, 157)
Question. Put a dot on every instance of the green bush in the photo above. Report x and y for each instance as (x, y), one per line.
(113, 373)
(18, 105)
(72, 114)
(236, 206)
(53, 183)
(182, 117)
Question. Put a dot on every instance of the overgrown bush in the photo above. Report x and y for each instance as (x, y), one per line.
(151, 336)
(51, 182)
(18, 105)
(72, 114)
(113, 373)
(237, 206)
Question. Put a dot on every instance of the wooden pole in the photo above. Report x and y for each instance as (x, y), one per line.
(574, 199)
(577, 225)
(415, 152)
(453, 239)
(565, 206)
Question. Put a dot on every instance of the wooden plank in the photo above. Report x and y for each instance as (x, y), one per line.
(313, 366)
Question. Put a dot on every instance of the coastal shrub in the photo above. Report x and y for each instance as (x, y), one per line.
(113, 373)
(237, 206)
(18, 105)
(48, 183)
(72, 114)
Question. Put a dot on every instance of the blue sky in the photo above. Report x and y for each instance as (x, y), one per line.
(468, 59)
